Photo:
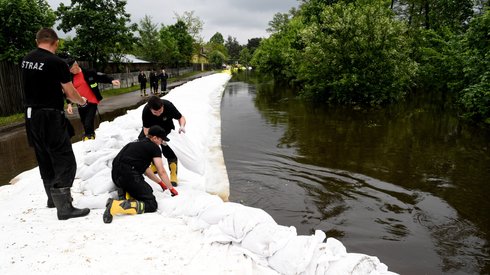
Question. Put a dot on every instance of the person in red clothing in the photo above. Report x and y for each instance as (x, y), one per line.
(86, 83)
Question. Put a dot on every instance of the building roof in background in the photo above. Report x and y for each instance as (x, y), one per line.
(129, 58)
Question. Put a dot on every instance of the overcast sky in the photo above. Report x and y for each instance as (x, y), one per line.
(243, 19)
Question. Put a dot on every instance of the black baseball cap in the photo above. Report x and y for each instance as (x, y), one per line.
(158, 131)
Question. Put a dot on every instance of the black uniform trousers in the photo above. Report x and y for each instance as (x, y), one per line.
(87, 116)
(47, 131)
(125, 177)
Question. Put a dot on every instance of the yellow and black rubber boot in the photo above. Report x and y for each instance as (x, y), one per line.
(127, 207)
(173, 173)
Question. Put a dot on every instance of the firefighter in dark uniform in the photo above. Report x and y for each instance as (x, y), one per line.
(46, 83)
(162, 112)
(128, 168)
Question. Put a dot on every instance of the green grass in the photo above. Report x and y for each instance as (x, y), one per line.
(6, 120)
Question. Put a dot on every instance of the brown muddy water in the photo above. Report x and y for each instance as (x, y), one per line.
(408, 184)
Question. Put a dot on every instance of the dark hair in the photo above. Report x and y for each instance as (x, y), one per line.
(46, 35)
(155, 102)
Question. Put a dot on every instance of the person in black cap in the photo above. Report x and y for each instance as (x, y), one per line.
(128, 168)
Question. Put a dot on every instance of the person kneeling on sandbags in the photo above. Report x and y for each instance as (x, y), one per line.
(128, 168)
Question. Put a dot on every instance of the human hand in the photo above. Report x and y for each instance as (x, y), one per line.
(173, 192)
(182, 129)
(116, 82)
(69, 109)
(84, 102)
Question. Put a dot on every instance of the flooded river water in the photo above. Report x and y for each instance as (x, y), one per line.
(409, 183)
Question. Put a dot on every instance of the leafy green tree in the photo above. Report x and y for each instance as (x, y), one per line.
(245, 56)
(475, 98)
(149, 46)
(253, 44)
(170, 48)
(278, 22)
(215, 45)
(358, 54)
(19, 22)
(216, 59)
(193, 23)
(279, 54)
(217, 38)
(233, 48)
(435, 14)
(102, 29)
(183, 41)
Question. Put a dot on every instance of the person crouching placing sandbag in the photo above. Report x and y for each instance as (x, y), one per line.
(128, 168)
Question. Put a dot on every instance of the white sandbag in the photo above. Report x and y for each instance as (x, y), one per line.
(295, 257)
(242, 221)
(267, 238)
(188, 152)
(215, 213)
(331, 251)
(98, 184)
(358, 264)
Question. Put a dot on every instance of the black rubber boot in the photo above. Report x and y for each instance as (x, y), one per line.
(62, 200)
(48, 184)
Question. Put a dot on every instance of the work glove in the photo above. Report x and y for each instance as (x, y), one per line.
(182, 130)
(164, 187)
(173, 192)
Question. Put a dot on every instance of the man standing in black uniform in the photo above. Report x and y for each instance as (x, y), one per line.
(128, 168)
(46, 77)
(161, 112)
(142, 80)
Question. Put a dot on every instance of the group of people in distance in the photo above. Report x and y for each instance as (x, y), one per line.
(154, 78)
(48, 81)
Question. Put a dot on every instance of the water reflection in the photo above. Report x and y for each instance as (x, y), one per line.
(407, 183)
(16, 156)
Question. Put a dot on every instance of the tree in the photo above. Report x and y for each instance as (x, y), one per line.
(435, 14)
(216, 58)
(253, 44)
(193, 23)
(217, 38)
(475, 98)
(170, 48)
(102, 29)
(245, 57)
(358, 54)
(183, 41)
(19, 22)
(150, 47)
(233, 48)
(278, 23)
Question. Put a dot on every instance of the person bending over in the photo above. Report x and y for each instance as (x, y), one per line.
(161, 112)
(128, 168)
